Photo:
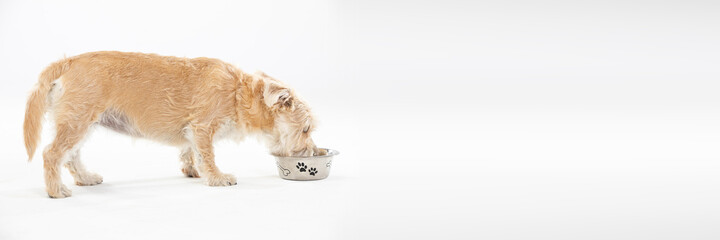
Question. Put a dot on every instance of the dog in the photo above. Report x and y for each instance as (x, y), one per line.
(182, 102)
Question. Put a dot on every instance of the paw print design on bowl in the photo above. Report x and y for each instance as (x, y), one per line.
(301, 166)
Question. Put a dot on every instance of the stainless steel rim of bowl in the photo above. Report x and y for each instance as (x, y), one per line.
(330, 153)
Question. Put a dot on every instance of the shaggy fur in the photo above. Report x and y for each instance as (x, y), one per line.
(183, 102)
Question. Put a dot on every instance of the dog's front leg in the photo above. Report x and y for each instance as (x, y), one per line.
(187, 159)
(202, 145)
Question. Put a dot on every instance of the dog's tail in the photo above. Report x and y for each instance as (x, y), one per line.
(37, 104)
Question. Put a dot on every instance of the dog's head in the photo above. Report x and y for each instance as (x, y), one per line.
(293, 124)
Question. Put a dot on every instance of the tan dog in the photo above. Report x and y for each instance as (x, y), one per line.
(183, 102)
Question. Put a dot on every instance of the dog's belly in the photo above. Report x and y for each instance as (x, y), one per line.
(118, 122)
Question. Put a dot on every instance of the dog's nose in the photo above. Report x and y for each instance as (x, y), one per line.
(303, 153)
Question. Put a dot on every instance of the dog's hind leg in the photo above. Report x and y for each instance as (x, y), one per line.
(82, 176)
(187, 159)
(67, 137)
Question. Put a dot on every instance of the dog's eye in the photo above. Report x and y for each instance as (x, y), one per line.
(306, 129)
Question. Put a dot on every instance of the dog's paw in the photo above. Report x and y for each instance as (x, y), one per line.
(59, 192)
(312, 171)
(222, 180)
(190, 171)
(301, 166)
(89, 180)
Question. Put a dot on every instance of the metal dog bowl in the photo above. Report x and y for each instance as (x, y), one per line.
(306, 168)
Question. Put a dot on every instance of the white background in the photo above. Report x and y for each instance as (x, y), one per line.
(454, 119)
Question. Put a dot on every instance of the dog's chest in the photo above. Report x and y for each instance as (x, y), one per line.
(229, 130)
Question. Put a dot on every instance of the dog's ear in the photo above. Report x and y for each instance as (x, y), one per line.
(276, 94)
(263, 74)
